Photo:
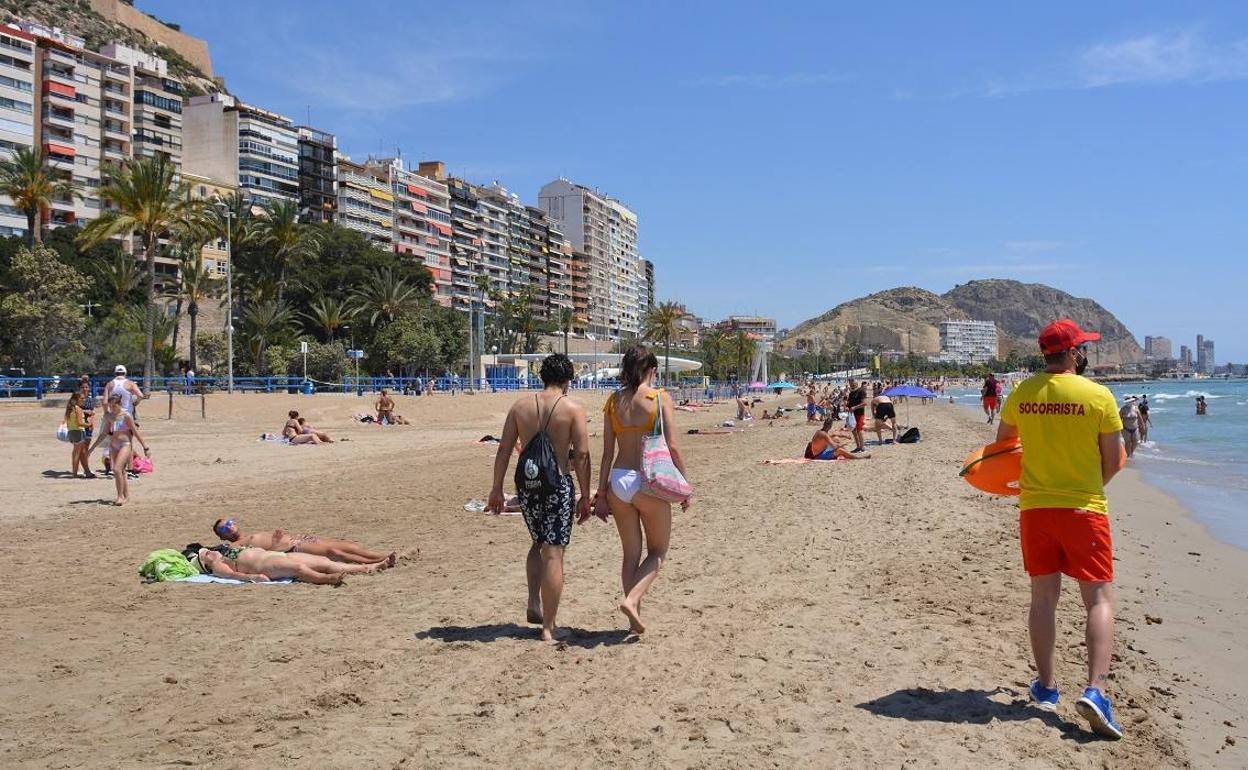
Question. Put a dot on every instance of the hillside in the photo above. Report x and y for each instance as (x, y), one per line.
(908, 318)
(104, 21)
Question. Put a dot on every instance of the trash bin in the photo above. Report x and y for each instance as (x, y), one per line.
(308, 388)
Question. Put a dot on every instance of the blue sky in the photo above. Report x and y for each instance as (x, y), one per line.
(785, 157)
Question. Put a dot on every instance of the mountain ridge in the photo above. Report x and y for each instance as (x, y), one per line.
(907, 318)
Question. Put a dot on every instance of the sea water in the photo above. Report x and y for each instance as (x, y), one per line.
(1202, 461)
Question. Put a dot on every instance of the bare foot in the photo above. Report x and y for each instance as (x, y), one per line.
(533, 615)
(392, 558)
(634, 618)
(119, 501)
(552, 634)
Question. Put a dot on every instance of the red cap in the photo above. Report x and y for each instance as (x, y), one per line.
(1064, 335)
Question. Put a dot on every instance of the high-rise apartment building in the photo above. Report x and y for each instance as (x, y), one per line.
(365, 203)
(1158, 348)
(318, 177)
(17, 111)
(647, 298)
(968, 341)
(243, 145)
(760, 326)
(156, 113)
(1185, 357)
(605, 231)
(1204, 355)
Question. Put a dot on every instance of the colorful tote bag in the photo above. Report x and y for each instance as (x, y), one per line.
(659, 475)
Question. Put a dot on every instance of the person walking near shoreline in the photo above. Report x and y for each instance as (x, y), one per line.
(547, 425)
(990, 394)
(631, 414)
(1073, 438)
(856, 402)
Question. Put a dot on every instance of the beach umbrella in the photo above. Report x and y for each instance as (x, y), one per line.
(758, 385)
(908, 390)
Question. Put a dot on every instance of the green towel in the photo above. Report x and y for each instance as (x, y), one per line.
(167, 564)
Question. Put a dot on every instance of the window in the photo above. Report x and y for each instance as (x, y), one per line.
(16, 64)
(159, 102)
(16, 105)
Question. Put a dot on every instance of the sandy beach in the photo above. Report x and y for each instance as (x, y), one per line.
(838, 614)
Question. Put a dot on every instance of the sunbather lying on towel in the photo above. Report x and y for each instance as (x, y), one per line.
(258, 565)
(278, 540)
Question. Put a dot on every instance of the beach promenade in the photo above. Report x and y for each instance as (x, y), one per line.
(841, 614)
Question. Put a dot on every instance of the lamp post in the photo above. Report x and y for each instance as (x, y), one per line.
(229, 296)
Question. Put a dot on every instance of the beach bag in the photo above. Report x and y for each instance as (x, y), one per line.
(850, 422)
(537, 471)
(142, 465)
(167, 564)
(62, 433)
(659, 475)
(909, 437)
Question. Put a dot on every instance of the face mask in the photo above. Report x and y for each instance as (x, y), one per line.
(1081, 363)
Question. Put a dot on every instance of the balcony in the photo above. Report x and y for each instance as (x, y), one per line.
(61, 118)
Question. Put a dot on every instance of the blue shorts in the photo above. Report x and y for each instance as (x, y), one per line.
(827, 454)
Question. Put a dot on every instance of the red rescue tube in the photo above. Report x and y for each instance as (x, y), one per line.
(995, 468)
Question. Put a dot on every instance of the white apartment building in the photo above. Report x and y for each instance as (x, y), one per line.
(241, 145)
(760, 326)
(156, 113)
(605, 231)
(968, 342)
(17, 111)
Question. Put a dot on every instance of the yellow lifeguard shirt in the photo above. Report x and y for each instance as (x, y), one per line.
(1060, 419)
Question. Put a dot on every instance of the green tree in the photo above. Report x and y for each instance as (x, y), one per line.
(197, 285)
(40, 321)
(26, 180)
(409, 344)
(287, 240)
(148, 200)
(327, 362)
(327, 315)
(385, 297)
(566, 318)
(121, 279)
(660, 324)
(713, 345)
(262, 324)
(210, 348)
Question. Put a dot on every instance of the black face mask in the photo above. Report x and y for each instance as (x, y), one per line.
(1081, 363)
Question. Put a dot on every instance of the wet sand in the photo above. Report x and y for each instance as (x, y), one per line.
(851, 613)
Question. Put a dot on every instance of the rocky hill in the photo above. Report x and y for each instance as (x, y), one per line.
(908, 318)
(100, 22)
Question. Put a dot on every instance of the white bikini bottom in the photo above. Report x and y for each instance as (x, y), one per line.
(625, 483)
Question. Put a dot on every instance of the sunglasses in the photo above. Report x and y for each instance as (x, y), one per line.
(225, 526)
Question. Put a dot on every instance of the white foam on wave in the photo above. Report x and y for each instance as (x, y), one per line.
(1188, 394)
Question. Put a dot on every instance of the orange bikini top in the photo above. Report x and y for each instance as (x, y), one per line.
(609, 410)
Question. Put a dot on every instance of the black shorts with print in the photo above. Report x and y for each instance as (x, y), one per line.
(549, 517)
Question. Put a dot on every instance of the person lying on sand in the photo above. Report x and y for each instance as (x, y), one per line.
(828, 444)
(306, 429)
(259, 566)
(278, 540)
(293, 432)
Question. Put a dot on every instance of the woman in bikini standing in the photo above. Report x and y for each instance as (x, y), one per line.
(631, 413)
(119, 426)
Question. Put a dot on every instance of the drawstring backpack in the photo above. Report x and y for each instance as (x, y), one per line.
(659, 475)
(537, 471)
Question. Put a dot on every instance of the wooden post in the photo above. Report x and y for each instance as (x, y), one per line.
(170, 417)
(203, 406)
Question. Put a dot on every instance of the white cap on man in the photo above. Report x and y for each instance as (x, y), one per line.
(119, 369)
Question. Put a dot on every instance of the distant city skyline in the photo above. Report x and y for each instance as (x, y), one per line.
(783, 163)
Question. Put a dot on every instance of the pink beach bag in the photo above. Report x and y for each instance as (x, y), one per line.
(659, 475)
(142, 465)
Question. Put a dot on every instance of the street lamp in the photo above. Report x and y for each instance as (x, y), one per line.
(229, 294)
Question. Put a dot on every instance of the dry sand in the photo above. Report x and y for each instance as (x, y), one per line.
(843, 614)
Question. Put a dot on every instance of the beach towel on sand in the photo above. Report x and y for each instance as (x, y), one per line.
(167, 564)
(796, 461)
(231, 581)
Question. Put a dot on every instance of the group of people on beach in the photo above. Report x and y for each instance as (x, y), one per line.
(826, 402)
(553, 431)
(117, 421)
(260, 557)
(297, 430)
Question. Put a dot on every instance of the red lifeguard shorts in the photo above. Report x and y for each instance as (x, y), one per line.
(860, 419)
(1067, 540)
(990, 402)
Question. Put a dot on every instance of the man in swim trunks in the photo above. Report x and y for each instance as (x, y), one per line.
(989, 396)
(549, 517)
(811, 406)
(1071, 432)
(277, 540)
(385, 410)
(885, 416)
(828, 444)
(856, 402)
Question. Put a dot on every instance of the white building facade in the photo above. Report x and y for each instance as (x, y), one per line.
(968, 342)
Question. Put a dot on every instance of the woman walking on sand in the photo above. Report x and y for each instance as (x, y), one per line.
(120, 427)
(76, 422)
(631, 414)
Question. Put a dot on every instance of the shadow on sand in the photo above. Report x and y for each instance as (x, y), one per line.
(573, 637)
(975, 707)
(53, 474)
(93, 501)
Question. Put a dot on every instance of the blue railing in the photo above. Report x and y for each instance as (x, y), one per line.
(40, 387)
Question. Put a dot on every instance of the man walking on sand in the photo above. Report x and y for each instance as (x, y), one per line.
(856, 401)
(547, 425)
(1072, 433)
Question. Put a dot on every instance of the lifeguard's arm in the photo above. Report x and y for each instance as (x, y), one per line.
(502, 458)
(1112, 452)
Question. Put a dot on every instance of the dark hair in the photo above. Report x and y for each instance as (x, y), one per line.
(828, 423)
(1055, 358)
(557, 369)
(293, 413)
(637, 361)
(192, 549)
(216, 525)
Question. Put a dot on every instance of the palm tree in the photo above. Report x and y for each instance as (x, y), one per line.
(198, 284)
(261, 322)
(566, 317)
(386, 296)
(712, 343)
(328, 315)
(121, 276)
(279, 229)
(659, 325)
(147, 199)
(32, 188)
(742, 344)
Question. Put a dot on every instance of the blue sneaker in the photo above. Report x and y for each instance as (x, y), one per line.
(1043, 697)
(1095, 708)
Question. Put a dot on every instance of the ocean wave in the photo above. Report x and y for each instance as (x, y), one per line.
(1188, 394)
